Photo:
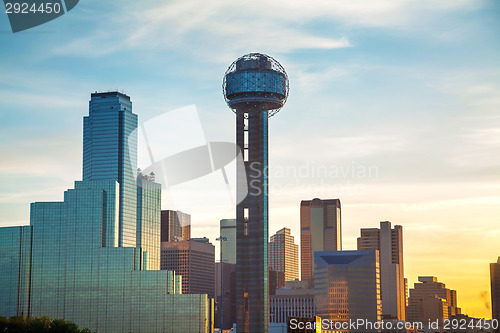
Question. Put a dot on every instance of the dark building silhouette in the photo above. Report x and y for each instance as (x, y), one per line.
(175, 226)
(495, 290)
(276, 280)
(229, 294)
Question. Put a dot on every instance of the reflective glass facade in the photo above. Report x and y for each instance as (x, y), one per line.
(175, 226)
(228, 230)
(110, 152)
(347, 285)
(78, 259)
(149, 222)
(252, 232)
(15, 259)
(256, 81)
(103, 288)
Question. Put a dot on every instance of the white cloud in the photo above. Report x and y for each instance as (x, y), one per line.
(236, 26)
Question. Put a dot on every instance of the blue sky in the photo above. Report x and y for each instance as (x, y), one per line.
(410, 88)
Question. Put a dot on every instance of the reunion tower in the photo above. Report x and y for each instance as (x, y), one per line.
(255, 88)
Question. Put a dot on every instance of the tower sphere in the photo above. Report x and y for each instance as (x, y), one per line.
(255, 82)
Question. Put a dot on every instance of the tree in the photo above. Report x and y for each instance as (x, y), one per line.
(40, 325)
(63, 326)
(17, 324)
(3, 324)
(20, 324)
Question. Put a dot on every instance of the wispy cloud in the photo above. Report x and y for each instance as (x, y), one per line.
(253, 25)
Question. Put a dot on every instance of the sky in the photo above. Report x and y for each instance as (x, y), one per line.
(394, 108)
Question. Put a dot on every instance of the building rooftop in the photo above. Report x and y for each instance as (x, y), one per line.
(110, 94)
(427, 279)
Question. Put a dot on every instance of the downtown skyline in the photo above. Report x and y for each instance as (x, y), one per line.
(372, 86)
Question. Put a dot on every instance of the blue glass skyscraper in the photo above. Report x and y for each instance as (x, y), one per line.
(149, 221)
(110, 153)
(78, 261)
(104, 288)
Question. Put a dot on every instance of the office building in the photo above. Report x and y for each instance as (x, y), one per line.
(276, 280)
(228, 230)
(282, 307)
(228, 248)
(320, 230)
(194, 261)
(431, 300)
(255, 88)
(284, 254)
(389, 243)
(76, 276)
(294, 299)
(495, 289)
(175, 226)
(347, 285)
(148, 220)
(229, 294)
(110, 153)
(75, 261)
(15, 269)
(298, 285)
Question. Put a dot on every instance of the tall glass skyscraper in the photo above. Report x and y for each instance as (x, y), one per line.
(75, 260)
(389, 242)
(149, 221)
(110, 153)
(320, 230)
(284, 254)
